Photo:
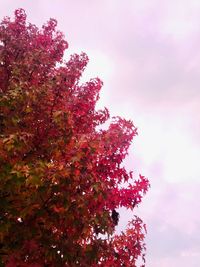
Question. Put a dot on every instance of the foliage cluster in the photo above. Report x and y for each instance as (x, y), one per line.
(61, 178)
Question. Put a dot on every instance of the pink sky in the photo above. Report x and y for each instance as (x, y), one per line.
(147, 53)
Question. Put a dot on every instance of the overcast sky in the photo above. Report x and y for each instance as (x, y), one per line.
(147, 52)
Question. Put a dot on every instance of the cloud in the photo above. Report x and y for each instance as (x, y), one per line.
(173, 226)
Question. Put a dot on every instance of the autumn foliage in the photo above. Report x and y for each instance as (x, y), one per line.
(61, 174)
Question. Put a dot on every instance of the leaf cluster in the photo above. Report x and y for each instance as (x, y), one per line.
(61, 179)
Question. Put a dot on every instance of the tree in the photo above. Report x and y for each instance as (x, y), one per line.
(61, 175)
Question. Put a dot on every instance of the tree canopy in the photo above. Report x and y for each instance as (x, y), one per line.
(61, 174)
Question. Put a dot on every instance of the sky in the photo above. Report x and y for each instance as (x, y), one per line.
(147, 54)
